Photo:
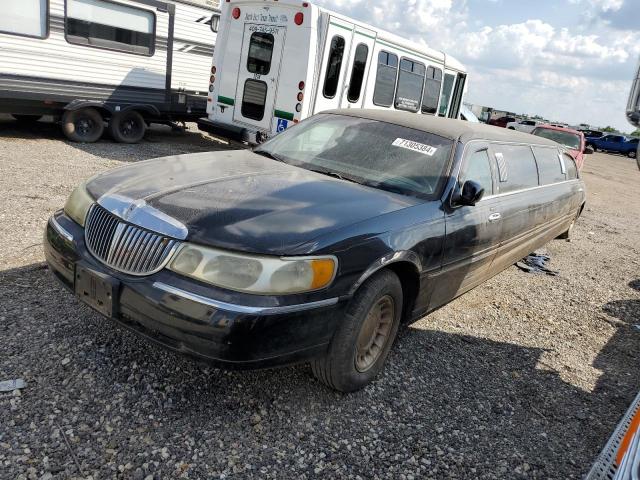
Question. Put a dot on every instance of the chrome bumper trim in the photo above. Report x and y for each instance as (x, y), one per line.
(230, 307)
(60, 229)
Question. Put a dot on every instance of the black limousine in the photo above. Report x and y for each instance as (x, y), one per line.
(318, 244)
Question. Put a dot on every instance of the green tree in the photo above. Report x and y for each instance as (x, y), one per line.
(636, 133)
(609, 129)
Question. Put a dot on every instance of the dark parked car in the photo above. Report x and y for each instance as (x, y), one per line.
(501, 121)
(616, 144)
(317, 245)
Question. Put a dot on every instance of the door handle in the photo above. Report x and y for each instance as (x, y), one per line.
(494, 217)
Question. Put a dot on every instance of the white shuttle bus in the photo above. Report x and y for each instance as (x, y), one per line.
(90, 62)
(278, 62)
(633, 107)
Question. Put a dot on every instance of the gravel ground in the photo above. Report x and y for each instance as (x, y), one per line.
(524, 377)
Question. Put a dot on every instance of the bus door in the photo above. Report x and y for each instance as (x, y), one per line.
(258, 74)
(331, 84)
(456, 99)
(447, 93)
(358, 67)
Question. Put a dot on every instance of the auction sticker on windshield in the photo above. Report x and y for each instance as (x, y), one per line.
(415, 146)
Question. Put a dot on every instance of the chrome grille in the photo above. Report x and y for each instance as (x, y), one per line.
(126, 247)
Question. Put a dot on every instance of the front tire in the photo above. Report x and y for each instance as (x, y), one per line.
(127, 127)
(631, 154)
(363, 339)
(84, 126)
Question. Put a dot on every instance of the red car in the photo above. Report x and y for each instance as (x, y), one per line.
(573, 140)
(501, 122)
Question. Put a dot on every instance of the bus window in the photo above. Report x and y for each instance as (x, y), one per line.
(385, 79)
(447, 90)
(357, 73)
(334, 65)
(260, 53)
(432, 91)
(254, 99)
(410, 83)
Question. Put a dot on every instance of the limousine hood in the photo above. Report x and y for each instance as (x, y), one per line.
(242, 201)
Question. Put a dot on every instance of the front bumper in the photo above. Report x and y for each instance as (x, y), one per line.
(181, 314)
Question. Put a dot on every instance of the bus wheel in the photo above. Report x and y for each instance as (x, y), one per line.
(85, 125)
(26, 118)
(127, 127)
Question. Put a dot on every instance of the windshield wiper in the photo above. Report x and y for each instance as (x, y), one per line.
(337, 175)
(268, 154)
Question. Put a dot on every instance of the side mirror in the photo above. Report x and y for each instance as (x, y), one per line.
(472, 193)
(588, 150)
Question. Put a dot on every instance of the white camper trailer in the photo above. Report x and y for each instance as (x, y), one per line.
(633, 107)
(126, 63)
(278, 62)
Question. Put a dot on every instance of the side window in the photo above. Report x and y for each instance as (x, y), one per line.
(431, 90)
(410, 83)
(260, 53)
(25, 17)
(334, 65)
(98, 23)
(570, 164)
(549, 165)
(478, 169)
(517, 167)
(385, 79)
(357, 73)
(447, 91)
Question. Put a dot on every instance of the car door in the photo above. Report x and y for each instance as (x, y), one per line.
(472, 232)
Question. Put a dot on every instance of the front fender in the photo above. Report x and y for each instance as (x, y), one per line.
(405, 256)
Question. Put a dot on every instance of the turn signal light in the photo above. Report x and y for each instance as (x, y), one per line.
(301, 86)
(235, 13)
(299, 18)
(213, 70)
(300, 96)
(212, 79)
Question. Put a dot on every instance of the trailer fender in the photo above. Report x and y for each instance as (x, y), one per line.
(111, 108)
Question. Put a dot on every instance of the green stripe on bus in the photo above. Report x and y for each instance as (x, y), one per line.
(226, 100)
(412, 52)
(341, 26)
(283, 114)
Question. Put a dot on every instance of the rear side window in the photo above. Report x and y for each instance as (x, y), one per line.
(334, 65)
(432, 90)
(519, 167)
(260, 53)
(112, 26)
(570, 164)
(24, 17)
(478, 169)
(385, 79)
(549, 166)
(410, 83)
(254, 99)
(357, 73)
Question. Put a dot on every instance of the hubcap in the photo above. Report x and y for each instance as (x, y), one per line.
(374, 333)
(84, 126)
(128, 128)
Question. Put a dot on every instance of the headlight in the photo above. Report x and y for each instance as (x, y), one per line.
(254, 273)
(78, 204)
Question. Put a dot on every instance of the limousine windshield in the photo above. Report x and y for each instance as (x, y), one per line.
(370, 152)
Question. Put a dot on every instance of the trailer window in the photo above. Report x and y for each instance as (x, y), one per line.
(385, 79)
(25, 17)
(112, 26)
(447, 91)
(260, 53)
(334, 65)
(357, 73)
(410, 83)
(254, 99)
(432, 91)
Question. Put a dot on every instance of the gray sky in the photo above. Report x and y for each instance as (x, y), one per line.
(567, 60)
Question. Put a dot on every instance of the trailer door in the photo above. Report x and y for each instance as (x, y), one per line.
(331, 84)
(258, 74)
(358, 67)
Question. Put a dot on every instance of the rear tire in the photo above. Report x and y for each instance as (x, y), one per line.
(568, 235)
(364, 337)
(127, 127)
(85, 125)
(26, 118)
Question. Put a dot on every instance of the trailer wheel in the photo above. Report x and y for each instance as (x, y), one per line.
(85, 125)
(127, 127)
(26, 118)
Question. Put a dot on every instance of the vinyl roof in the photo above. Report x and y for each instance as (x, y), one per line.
(459, 130)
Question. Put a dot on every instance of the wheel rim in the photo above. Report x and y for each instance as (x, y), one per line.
(374, 333)
(84, 126)
(129, 128)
